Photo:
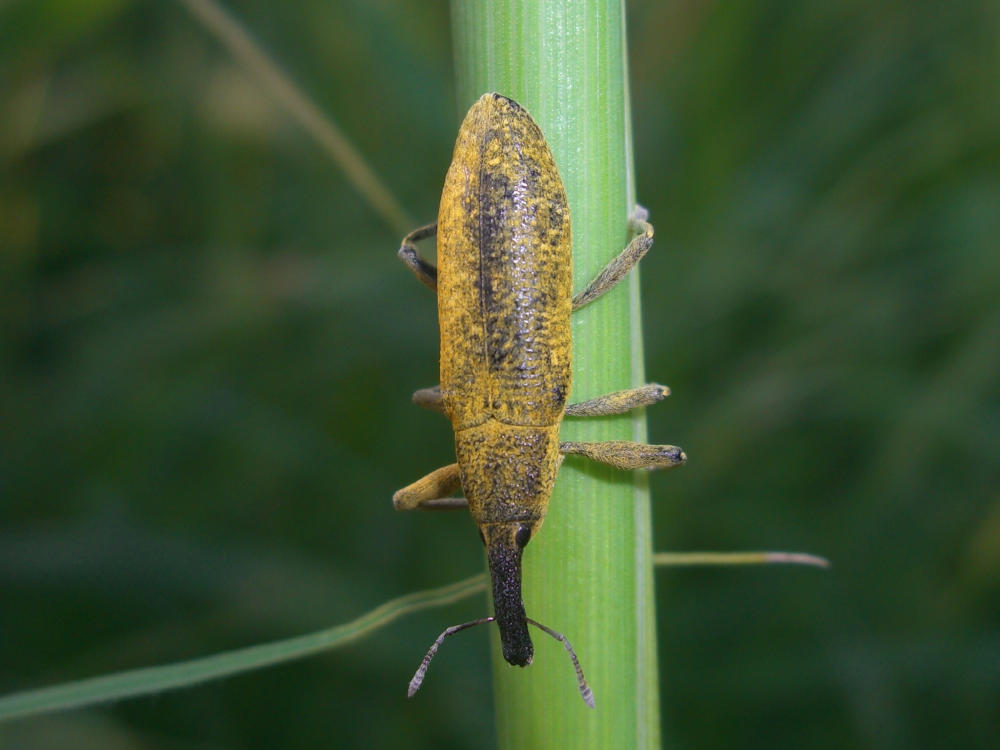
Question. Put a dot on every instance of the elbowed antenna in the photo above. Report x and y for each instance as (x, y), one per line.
(581, 682)
(418, 677)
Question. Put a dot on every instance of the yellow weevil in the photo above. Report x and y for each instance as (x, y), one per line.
(504, 291)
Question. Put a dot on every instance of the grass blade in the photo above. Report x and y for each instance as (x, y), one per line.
(665, 559)
(137, 682)
(321, 127)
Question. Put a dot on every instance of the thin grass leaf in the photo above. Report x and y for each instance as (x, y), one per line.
(665, 559)
(137, 682)
(321, 127)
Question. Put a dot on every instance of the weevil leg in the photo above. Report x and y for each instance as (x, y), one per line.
(429, 398)
(626, 455)
(431, 492)
(408, 253)
(617, 269)
(618, 402)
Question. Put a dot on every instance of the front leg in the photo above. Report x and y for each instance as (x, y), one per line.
(422, 269)
(431, 492)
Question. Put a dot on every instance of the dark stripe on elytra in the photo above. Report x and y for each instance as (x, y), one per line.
(505, 329)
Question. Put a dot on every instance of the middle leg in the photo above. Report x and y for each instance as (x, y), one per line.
(618, 402)
(626, 455)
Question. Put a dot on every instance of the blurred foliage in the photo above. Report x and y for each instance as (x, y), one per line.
(208, 347)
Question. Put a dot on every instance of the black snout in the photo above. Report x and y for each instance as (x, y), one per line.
(508, 607)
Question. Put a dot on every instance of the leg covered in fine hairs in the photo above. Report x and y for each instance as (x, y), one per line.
(431, 492)
(618, 268)
(626, 455)
(618, 402)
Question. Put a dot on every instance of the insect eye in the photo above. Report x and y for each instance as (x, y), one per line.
(522, 537)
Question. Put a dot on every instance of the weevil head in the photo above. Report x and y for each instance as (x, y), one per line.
(505, 543)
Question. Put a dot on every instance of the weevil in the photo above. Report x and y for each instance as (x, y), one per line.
(504, 292)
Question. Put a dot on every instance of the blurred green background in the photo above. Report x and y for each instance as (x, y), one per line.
(208, 348)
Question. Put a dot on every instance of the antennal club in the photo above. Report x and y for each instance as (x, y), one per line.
(418, 676)
(585, 692)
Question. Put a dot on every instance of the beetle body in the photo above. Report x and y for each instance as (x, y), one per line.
(504, 289)
(504, 304)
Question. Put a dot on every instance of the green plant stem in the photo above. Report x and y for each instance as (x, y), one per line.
(589, 573)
